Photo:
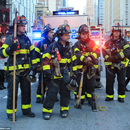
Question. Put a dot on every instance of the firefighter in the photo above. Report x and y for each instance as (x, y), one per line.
(25, 60)
(48, 35)
(87, 53)
(115, 52)
(57, 63)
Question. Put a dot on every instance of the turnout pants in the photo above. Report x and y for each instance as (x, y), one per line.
(39, 94)
(110, 79)
(53, 88)
(1, 76)
(25, 94)
(88, 86)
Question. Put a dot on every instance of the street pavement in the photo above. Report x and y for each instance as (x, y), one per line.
(116, 117)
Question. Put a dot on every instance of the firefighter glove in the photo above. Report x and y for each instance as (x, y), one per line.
(14, 47)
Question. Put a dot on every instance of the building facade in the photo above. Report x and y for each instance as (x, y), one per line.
(90, 11)
(52, 5)
(24, 7)
(116, 11)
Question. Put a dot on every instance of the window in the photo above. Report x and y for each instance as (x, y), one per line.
(40, 13)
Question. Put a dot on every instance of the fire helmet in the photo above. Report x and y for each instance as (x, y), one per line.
(116, 27)
(83, 28)
(20, 20)
(64, 28)
(46, 29)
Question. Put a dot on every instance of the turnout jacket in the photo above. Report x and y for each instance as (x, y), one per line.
(86, 49)
(122, 50)
(25, 57)
(65, 54)
(40, 48)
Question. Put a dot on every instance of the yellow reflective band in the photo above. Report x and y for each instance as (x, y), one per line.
(37, 50)
(79, 66)
(110, 96)
(25, 66)
(74, 57)
(86, 54)
(75, 93)
(95, 55)
(65, 61)
(26, 106)
(34, 61)
(95, 47)
(76, 49)
(45, 110)
(126, 46)
(60, 76)
(10, 111)
(4, 53)
(104, 47)
(107, 63)
(23, 51)
(82, 96)
(89, 95)
(46, 55)
(46, 67)
(38, 59)
(4, 46)
(95, 66)
(64, 108)
(106, 57)
(31, 47)
(122, 55)
(121, 96)
(74, 68)
(81, 58)
(39, 96)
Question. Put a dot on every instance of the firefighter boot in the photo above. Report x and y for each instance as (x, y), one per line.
(38, 100)
(121, 100)
(108, 99)
(64, 113)
(46, 115)
(29, 114)
(10, 117)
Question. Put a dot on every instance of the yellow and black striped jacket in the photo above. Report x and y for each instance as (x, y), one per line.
(86, 49)
(40, 48)
(66, 56)
(25, 57)
(123, 51)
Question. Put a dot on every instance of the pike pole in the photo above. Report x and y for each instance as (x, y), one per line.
(14, 64)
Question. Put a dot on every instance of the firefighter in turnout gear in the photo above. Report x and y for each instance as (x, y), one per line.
(48, 35)
(57, 67)
(25, 60)
(87, 53)
(115, 53)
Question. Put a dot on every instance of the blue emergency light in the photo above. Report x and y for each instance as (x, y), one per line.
(65, 12)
